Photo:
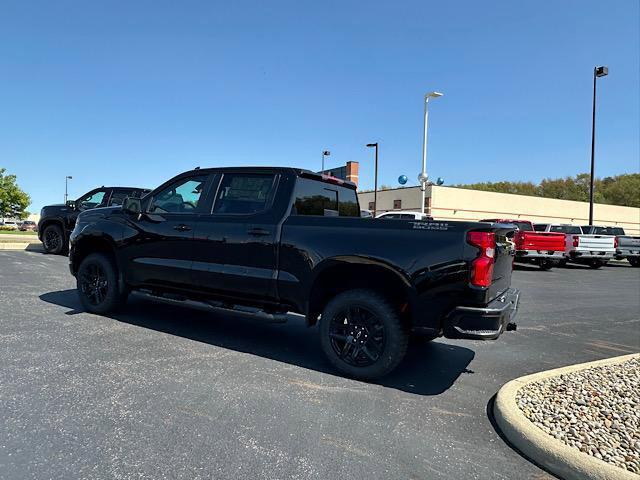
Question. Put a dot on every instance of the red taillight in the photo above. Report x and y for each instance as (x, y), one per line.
(576, 240)
(482, 265)
(615, 242)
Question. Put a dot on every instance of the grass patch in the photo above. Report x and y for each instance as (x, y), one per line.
(17, 232)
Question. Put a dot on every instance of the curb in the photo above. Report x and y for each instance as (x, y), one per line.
(33, 247)
(559, 458)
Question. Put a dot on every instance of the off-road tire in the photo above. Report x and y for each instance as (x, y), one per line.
(110, 297)
(395, 334)
(54, 240)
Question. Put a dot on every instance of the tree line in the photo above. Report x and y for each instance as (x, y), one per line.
(617, 190)
(621, 190)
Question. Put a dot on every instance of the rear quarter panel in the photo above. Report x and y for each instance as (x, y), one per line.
(431, 257)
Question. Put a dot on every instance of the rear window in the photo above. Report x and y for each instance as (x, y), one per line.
(524, 226)
(608, 231)
(565, 229)
(243, 194)
(540, 227)
(324, 199)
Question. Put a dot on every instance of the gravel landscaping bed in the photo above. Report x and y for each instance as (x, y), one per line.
(596, 410)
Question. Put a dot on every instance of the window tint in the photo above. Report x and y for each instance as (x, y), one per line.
(179, 197)
(565, 229)
(319, 198)
(315, 198)
(243, 194)
(524, 226)
(348, 202)
(117, 197)
(92, 200)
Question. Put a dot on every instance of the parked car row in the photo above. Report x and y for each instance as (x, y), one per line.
(24, 226)
(267, 241)
(558, 244)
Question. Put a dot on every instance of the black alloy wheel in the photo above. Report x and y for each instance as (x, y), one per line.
(357, 336)
(53, 240)
(362, 334)
(94, 284)
(98, 284)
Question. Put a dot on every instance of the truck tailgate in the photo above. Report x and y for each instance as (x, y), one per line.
(628, 241)
(543, 241)
(596, 243)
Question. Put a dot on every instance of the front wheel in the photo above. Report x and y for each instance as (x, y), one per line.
(362, 335)
(634, 261)
(54, 240)
(97, 284)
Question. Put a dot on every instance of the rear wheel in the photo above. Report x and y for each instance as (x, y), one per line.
(545, 264)
(362, 335)
(595, 264)
(97, 284)
(634, 261)
(53, 240)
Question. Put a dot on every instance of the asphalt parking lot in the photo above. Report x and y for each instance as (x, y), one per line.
(164, 391)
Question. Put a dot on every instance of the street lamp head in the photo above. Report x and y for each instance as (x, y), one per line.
(372, 144)
(601, 71)
(69, 177)
(433, 95)
(326, 153)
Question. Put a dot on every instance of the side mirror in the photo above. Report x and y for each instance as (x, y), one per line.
(132, 205)
(71, 204)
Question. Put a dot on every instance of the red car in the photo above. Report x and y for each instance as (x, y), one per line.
(544, 249)
(28, 225)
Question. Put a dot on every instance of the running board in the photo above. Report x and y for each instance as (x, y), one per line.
(221, 307)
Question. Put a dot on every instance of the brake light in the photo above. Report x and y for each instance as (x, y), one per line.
(615, 242)
(576, 240)
(482, 265)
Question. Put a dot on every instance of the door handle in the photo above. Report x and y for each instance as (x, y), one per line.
(182, 227)
(258, 232)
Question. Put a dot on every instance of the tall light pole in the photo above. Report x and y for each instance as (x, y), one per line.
(325, 153)
(597, 72)
(66, 179)
(423, 178)
(375, 181)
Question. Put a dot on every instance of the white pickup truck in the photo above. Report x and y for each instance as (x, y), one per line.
(590, 249)
(627, 246)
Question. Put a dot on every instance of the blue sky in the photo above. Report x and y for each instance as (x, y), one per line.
(123, 92)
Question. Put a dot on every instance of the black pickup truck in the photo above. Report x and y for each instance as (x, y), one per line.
(57, 221)
(268, 241)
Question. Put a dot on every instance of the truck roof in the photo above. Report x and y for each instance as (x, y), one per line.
(300, 172)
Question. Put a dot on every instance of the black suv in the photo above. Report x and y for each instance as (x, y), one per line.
(57, 221)
(267, 241)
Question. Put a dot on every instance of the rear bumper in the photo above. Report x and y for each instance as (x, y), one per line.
(484, 323)
(590, 255)
(547, 254)
(627, 252)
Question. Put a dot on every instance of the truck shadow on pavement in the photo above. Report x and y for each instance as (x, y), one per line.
(428, 369)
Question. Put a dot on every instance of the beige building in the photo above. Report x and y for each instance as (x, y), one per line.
(448, 203)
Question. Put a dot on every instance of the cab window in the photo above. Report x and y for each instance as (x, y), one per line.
(319, 198)
(183, 196)
(244, 193)
(92, 200)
